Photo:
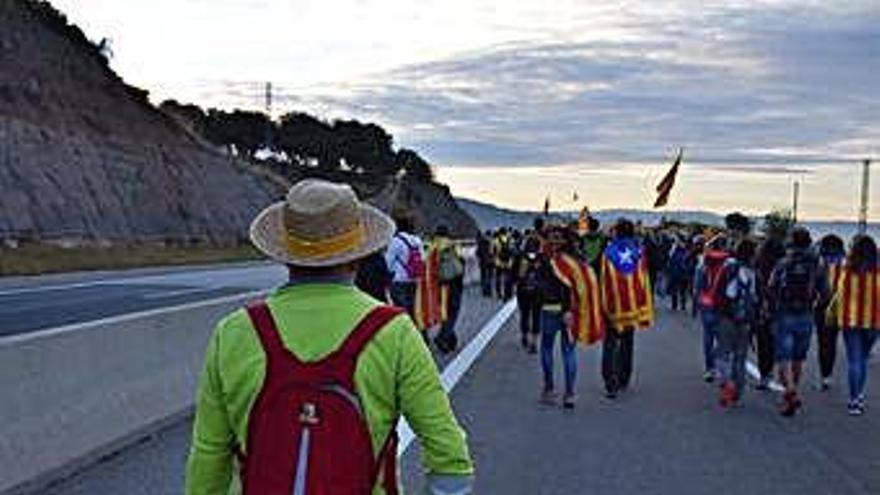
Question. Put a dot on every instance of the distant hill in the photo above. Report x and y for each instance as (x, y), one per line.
(491, 217)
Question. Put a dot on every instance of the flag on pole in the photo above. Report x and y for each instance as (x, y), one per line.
(547, 206)
(574, 197)
(665, 185)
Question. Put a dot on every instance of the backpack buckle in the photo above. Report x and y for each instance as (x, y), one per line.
(309, 414)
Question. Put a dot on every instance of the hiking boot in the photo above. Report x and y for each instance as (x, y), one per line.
(548, 397)
(568, 401)
(790, 404)
(728, 395)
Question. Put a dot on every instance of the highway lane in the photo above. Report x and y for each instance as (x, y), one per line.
(667, 435)
(28, 305)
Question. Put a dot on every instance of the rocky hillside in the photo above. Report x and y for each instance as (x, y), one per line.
(85, 157)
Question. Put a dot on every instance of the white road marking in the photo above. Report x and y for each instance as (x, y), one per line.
(456, 369)
(175, 293)
(49, 332)
(51, 288)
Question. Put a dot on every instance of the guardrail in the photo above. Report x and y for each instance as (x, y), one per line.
(73, 394)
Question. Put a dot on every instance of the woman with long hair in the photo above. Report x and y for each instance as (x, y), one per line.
(856, 310)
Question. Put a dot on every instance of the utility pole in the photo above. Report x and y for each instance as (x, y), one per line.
(267, 141)
(794, 206)
(866, 186)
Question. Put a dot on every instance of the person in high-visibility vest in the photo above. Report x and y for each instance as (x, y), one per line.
(855, 308)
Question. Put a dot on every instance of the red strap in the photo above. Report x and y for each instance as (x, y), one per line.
(386, 463)
(267, 330)
(365, 331)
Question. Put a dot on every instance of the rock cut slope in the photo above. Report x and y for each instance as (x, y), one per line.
(85, 156)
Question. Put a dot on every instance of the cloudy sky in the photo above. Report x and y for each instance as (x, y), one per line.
(515, 100)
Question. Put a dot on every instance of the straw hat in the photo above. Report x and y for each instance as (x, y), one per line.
(320, 224)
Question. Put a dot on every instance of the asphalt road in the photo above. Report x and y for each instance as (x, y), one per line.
(665, 436)
(27, 305)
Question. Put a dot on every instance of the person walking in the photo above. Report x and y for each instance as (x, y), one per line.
(769, 254)
(373, 277)
(706, 278)
(527, 271)
(484, 258)
(405, 260)
(302, 390)
(677, 273)
(832, 253)
(627, 305)
(796, 286)
(739, 299)
(856, 310)
(504, 252)
(450, 273)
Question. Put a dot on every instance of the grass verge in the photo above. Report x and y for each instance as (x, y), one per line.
(34, 259)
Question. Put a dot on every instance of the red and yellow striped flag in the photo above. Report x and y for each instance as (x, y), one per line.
(627, 299)
(588, 326)
(858, 304)
(428, 302)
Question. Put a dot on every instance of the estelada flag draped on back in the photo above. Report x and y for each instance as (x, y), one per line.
(627, 300)
(858, 299)
(588, 327)
(428, 307)
(665, 186)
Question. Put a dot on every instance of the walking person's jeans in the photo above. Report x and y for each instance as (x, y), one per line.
(859, 342)
(733, 347)
(552, 324)
(710, 319)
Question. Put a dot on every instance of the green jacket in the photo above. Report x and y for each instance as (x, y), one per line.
(395, 375)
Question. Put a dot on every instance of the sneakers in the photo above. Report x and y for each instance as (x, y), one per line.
(824, 384)
(568, 401)
(763, 384)
(790, 404)
(709, 376)
(548, 397)
(854, 408)
(729, 395)
(533, 348)
(610, 394)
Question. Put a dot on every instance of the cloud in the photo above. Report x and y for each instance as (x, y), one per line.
(768, 86)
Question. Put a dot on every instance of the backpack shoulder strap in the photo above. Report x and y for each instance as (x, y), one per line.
(368, 327)
(267, 331)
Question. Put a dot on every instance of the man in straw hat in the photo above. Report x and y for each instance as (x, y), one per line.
(302, 391)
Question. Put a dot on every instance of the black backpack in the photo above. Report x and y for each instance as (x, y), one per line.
(797, 283)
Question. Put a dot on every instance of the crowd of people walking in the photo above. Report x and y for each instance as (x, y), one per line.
(767, 293)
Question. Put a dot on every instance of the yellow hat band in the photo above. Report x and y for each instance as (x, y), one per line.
(326, 248)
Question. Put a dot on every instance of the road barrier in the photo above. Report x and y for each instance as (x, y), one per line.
(75, 394)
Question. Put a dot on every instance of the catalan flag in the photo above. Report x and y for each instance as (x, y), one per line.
(664, 188)
(627, 299)
(857, 303)
(589, 326)
(428, 302)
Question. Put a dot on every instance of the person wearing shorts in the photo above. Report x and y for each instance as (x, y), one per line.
(797, 286)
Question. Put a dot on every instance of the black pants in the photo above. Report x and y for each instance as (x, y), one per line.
(826, 335)
(447, 330)
(617, 358)
(764, 342)
(486, 273)
(503, 283)
(529, 313)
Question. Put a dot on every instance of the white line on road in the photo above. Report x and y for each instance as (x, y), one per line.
(52, 288)
(41, 334)
(175, 293)
(456, 369)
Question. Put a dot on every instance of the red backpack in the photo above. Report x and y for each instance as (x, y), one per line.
(715, 280)
(414, 264)
(307, 433)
